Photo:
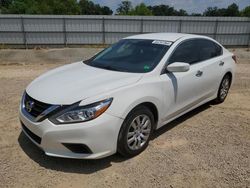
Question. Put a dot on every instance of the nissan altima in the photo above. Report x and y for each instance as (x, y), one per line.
(114, 101)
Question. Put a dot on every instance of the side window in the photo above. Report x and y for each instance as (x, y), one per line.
(208, 49)
(219, 50)
(186, 52)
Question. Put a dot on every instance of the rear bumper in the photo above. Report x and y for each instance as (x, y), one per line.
(99, 136)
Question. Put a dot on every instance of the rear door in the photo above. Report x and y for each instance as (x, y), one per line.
(212, 63)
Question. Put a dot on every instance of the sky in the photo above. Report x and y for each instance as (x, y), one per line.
(191, 6)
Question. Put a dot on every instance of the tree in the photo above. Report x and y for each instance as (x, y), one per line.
(232, 10)
(141, 10)
(165, 10)
(211, 11)
(124, 8)
(86, 7)
(68, 7)
(162, 10)
(181, 12)
(106, 11)
(195, 14)
(4, 4)
(43, 7)
(89, 8)
(22, 7)
(246, 12)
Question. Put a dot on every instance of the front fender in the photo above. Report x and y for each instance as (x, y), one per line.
(129, 97)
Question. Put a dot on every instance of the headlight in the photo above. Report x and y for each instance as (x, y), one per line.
(78, 114)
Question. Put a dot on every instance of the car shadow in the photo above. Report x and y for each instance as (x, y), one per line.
(181, 119)
(63, 164)
(89, 166)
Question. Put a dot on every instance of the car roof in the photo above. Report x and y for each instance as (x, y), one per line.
(172, 37)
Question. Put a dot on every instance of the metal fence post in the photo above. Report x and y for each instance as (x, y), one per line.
(64, 32)
(142, 25)
(215, 29)
(24, 33)
(103, 31)
(179, 28)
(248, 45)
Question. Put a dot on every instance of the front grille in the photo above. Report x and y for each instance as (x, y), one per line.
(36, 138)
(34, 107)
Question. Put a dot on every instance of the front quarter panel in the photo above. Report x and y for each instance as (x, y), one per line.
(149, 89)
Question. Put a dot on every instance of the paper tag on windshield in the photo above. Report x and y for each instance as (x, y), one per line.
(162, 42)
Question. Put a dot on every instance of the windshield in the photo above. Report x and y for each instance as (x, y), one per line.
(131, 55)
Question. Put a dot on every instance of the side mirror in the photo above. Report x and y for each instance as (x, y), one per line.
(178, 67)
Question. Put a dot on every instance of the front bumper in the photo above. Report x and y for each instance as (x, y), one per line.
(99, 135)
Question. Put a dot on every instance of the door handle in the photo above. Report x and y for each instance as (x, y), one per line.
(221, 63)
(199, 73)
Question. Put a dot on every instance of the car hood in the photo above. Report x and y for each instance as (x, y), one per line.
(74, 82)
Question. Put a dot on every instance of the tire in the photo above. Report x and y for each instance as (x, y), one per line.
(135, 132)
(223, 89)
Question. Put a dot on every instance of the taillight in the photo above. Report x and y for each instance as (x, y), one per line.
(234, 58)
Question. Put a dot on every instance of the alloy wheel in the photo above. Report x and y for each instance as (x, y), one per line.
(138, 132)
(224, 88)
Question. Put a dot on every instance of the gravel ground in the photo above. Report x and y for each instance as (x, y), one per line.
(208, 147)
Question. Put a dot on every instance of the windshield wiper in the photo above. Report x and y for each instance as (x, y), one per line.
(108, 67)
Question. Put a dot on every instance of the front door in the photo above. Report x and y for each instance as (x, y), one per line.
(187, 87)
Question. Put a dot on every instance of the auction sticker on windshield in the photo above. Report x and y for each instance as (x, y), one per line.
(162, 42)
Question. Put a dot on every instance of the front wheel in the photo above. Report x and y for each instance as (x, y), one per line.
(223, 89)
(135, 132)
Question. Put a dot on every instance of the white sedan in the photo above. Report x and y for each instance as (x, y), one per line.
(114, 101)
